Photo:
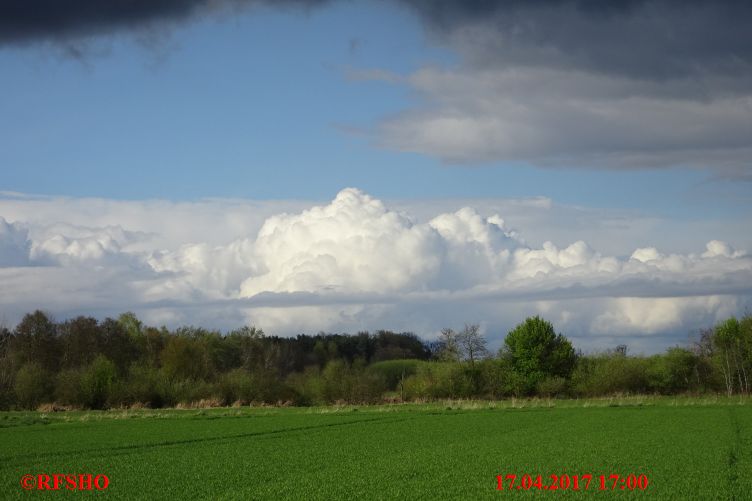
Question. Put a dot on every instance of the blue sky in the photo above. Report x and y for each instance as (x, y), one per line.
(226, 107)
(363, 165)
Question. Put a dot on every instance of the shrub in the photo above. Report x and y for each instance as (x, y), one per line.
(145, 385)
(237, 385)
(97, 381)
(392, 372)
(439, 380)
(610, 374)
(308, 386)
(68, 387)
(553, 386)
(673, 372)
(32, 385)
(189, 391)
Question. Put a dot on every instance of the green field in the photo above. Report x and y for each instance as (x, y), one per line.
(688, 449)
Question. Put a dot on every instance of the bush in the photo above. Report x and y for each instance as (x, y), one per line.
(97, 381)
(338, 381)
(367, 387)
(308, 386)
(440, 380)
(237, 385)
(492, 378)
(673, 372)
(145, 385)
(32, 386)
(68, 387)
(610, 374)
(553, 386)
(190, 391)
(392, 372)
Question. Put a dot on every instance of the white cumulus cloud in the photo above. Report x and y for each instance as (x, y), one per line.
(355, 263)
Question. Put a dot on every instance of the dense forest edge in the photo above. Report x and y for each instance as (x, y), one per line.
(82, 363)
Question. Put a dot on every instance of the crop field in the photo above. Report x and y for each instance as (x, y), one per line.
(687, 449)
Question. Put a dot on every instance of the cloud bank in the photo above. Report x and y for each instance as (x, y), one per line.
(354, 263)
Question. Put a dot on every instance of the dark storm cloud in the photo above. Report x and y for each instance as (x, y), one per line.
(23, 21)
(638, 38)
(643, 38)
(450, 12)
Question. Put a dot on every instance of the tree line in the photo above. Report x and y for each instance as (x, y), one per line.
(86, 363)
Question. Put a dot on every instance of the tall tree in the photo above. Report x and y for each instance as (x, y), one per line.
(36, 341)
(81, 341)
(536, 351)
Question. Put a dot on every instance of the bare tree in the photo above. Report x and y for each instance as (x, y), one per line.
(472, 343)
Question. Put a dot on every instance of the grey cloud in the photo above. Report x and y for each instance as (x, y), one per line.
(624, 84)
(555, 117)
(14, 244)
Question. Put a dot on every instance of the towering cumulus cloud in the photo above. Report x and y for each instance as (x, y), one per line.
(353, 244)
(354, 263)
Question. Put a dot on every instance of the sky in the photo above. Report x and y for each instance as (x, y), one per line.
(309, 166)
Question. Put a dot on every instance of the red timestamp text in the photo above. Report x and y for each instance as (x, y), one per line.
(612, 482)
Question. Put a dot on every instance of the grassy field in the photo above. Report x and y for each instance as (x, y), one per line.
(687, 448)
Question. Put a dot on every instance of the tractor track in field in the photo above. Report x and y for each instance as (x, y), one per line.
(21, 459)
(735, 489)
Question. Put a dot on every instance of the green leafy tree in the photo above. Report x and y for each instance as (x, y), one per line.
(536, 352)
